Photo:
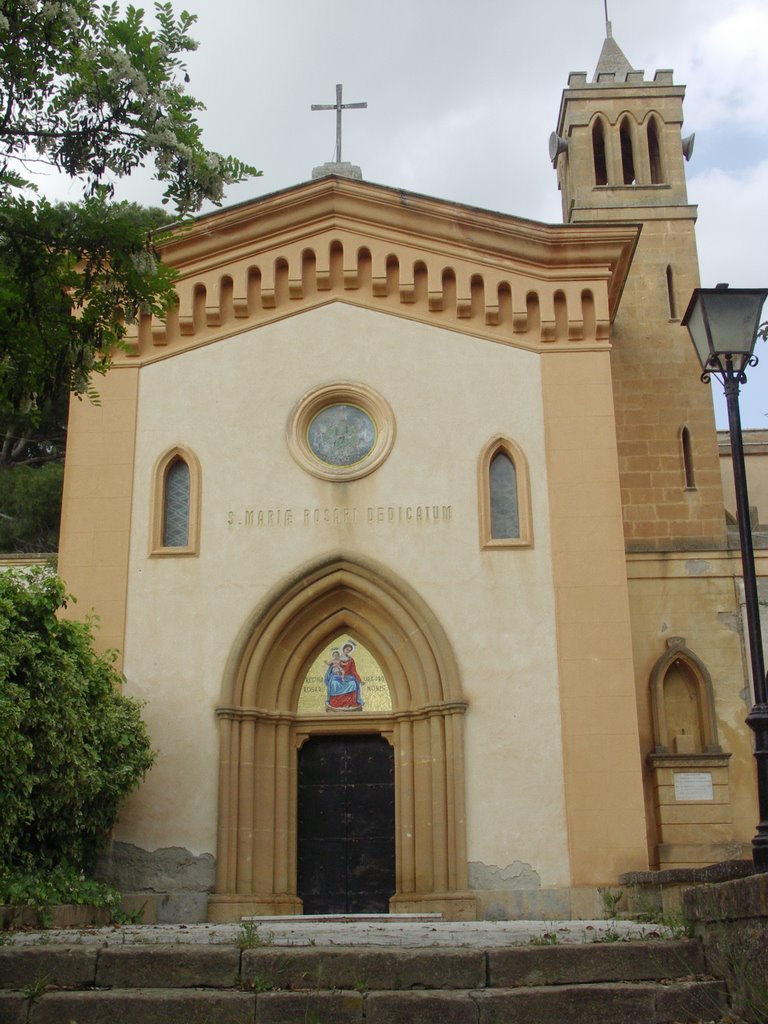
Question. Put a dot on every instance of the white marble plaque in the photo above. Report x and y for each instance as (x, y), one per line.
(693, 786)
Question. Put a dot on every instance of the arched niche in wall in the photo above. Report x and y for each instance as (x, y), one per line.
(683, 705)
(689, 770)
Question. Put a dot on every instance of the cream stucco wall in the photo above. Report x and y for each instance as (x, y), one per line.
(230, 403)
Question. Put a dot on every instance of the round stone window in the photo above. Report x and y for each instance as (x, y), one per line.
(341, 431)
(341, 435)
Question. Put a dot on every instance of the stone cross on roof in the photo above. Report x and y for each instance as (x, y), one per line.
(338, 106)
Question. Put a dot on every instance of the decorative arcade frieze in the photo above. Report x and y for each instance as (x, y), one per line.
(509, 282)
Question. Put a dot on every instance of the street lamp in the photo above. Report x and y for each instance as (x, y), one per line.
(723, 323)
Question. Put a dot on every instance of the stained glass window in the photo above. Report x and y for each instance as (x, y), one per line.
(341, 434)
(505, 514)
(176, 505)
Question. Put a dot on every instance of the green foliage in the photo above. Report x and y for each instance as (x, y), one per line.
(128, 916)
(93, 93)
(42, 890)
(37, 436)
(610, 899)
(612, 935)
(548, 938)
(96, 93)
(672, 923)
(259, 983)
(33, 992)
(30, 507)
(72, 747)
(71, 275)
(250, 936)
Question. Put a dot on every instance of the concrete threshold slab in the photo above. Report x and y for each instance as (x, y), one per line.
(392, 920)
(301, 931)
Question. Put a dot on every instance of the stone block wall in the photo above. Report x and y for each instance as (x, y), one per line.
(731, 920)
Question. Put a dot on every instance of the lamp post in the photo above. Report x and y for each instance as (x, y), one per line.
(723, 323)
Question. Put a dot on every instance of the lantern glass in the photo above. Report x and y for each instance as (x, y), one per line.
(724, 321)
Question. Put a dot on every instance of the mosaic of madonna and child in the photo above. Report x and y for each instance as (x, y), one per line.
(345, 677)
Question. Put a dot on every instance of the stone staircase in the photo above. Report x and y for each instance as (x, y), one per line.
(648, 982)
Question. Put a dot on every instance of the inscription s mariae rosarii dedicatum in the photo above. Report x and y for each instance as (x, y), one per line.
(341, 515)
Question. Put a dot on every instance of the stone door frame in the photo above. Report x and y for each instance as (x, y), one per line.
(260, 734)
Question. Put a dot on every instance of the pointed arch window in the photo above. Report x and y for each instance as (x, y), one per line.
(598, 153)
(627, 152)
(505, 517)
(671, 294)
(176, 498)
(654, 152)
(176, 505)
(502, 483)
(687, 453)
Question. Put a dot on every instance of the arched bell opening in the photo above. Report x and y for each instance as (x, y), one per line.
(262, 730)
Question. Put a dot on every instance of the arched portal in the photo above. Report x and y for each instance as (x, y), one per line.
(261, 732)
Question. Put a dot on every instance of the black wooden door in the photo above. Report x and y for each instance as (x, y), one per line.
(346, 826)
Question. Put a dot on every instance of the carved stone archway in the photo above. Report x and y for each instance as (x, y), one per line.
(261, 732)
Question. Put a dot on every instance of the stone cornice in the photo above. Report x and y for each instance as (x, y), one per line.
(486, 274)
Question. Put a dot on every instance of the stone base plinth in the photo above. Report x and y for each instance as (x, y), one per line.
(454, 906)
(226, 908)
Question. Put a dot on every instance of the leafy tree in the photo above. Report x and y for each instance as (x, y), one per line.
(39, 442)
(70, 276)
(72, 747)
(93, 93)
(30, 508)
(30, 497)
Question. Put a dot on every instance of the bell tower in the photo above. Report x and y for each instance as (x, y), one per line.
(620, 155)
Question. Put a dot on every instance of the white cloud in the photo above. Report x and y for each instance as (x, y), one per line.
(462, 100)
(728, 63)
(732, 234)
(733, 224)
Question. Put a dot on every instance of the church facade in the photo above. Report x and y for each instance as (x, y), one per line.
(409, 529)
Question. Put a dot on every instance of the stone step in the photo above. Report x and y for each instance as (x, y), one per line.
(595, 983)
(281, 967)
(607, 1003)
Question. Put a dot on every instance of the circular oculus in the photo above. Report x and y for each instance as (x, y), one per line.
(341, 431)
(341, 435)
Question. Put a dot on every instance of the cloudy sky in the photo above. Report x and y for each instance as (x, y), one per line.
(462, 98)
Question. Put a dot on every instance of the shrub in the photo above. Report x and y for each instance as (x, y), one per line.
(72, 746)
(50, 888)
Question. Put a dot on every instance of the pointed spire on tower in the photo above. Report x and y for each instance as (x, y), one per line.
(612, 60)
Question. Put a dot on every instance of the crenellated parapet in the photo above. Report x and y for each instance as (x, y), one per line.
(618, 146)
(499, 278)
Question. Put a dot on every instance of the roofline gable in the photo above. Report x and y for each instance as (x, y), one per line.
(512, 280)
